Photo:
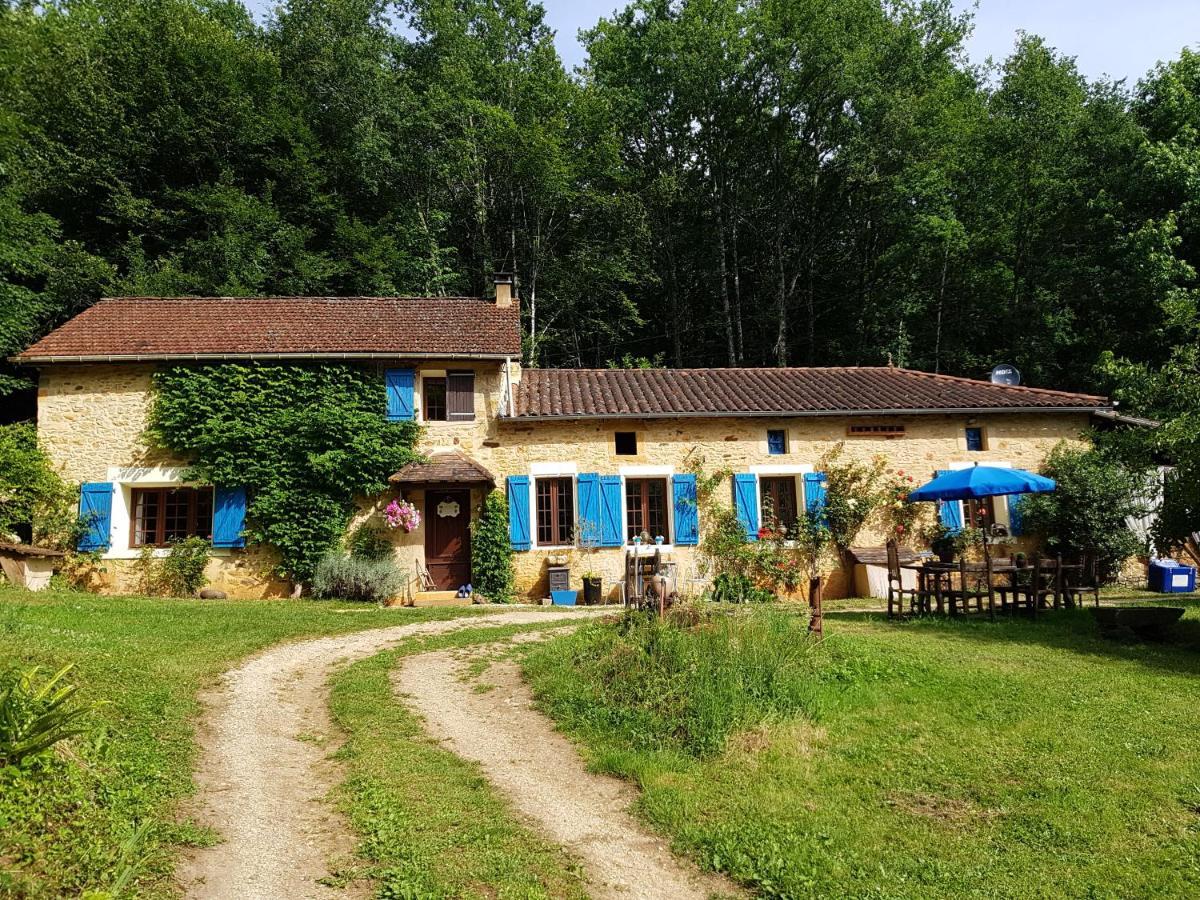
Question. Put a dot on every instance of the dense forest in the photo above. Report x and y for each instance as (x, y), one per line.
(724, 182)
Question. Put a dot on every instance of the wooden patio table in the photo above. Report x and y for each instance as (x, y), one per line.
(935, 579)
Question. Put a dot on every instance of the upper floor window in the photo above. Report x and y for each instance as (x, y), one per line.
(776, 441)
(646, 508)
(625, 443)
(164, 514)
(975, 439)
(449, 398)
(555, 511)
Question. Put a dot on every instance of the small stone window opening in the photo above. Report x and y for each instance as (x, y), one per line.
(776, 441)
(976, 440)
(626, 443)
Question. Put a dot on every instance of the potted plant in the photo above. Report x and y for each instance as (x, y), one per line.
(941, 541)
(589, 544)
(950, 543)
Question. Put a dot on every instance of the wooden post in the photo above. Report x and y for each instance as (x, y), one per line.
(816, 621)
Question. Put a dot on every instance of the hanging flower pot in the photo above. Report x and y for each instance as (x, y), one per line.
(402, 514)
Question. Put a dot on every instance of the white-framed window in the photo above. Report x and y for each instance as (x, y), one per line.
(648, 503)
(554, 510)
(553, 504)
(152, 505)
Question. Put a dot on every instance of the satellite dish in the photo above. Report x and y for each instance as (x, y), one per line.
(1006, 374)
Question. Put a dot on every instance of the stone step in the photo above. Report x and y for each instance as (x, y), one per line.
(439, 598)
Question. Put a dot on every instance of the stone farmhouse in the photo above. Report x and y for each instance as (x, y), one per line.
(598, 452)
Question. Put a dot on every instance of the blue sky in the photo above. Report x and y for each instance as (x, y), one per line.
(1118, 38)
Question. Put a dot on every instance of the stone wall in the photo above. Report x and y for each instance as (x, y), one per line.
(90, 419)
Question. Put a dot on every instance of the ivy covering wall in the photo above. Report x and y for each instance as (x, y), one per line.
(304, 440)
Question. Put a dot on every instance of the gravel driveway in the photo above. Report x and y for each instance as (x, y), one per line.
(544, 779)
(263, 774)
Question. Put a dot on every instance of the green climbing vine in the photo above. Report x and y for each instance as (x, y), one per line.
(304, 440)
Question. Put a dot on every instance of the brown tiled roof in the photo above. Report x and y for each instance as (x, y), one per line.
(642, 393)
(219, 327)
(451, 466)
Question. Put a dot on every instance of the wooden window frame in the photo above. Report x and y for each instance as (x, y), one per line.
(770, 489)
(452, 406)
(971, 516)
(642, 506)
(199, 519)
(428, 406)
(559, 511)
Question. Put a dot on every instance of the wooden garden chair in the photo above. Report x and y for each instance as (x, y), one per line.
(897, 592)
(1078, 583)
(973, 585)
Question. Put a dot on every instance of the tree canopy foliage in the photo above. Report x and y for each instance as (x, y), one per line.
(723, 182)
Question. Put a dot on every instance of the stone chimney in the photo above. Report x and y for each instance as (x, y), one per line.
(504, 288)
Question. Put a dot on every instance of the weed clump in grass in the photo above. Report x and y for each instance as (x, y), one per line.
(685, 684)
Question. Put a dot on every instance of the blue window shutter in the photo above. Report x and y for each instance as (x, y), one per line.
(950, 511)
(229, 517)
(975, 439)
(612, 524)
(815, 490)
(777, 442)
(745, 503)
(687, 515)
(399, 394)
(587, 492)
(95, 512)
(518, 512)
(1016, 524)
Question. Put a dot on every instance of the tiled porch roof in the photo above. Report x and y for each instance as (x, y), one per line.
(664, 393)
(452, 466)
(153, 328)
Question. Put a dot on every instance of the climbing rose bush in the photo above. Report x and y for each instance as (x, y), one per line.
(402, 514)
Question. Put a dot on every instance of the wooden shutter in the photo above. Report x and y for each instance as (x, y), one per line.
(460, 396)
(399, 394)
(950, 511)
(687, 515)
(815, 489)
(745, 503)
(588, 498)
(229, 517)
(1016, 523)
(518, 512)
(612, 523)
(95, 512)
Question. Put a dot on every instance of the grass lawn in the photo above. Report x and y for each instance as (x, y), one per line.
(430, 825)
(69, 826)
(930, 758)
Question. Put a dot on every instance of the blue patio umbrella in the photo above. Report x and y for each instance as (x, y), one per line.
(982, 481)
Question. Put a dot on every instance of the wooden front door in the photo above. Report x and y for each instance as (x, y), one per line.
(448, 538)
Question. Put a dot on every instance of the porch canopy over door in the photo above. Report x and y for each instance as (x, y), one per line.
(446, 478)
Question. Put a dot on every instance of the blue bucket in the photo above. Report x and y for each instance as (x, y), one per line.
(564, 598)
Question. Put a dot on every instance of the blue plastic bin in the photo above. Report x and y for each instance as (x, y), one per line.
(564, 598)
(1170, 577)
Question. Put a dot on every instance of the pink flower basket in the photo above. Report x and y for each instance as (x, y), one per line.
(402, 514)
